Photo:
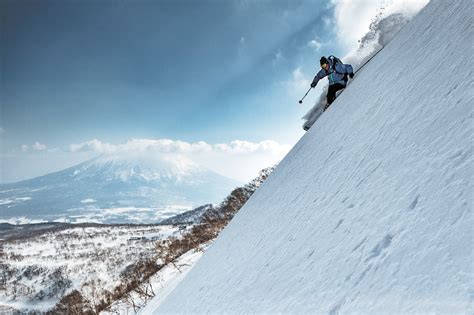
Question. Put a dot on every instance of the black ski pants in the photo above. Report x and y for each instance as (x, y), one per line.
(333, 88)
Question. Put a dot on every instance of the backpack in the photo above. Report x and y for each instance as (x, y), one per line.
(334, 60)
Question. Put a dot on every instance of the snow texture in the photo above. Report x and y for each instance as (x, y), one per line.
(371, 212)
(170, 277)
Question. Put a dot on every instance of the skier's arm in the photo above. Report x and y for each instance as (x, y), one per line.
(349, 69)
(342, 68)
(321, 74)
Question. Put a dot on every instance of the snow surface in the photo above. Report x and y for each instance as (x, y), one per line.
(163, 282)
(58, 262)
(371, 212)
(170, 278)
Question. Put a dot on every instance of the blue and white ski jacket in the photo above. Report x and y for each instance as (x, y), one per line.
(334, 76)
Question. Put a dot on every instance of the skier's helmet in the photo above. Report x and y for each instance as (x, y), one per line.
(323, 61)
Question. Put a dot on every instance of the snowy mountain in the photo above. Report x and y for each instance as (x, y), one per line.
(371, 212)
(115, 188)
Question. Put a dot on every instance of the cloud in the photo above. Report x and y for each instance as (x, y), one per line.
(352, 19)
(2, 131)
(177, 146)
(140, 145)
(315, 44)
(238, 159)
(92, 145)
(241, 147)
(38, 146)
(299, 80)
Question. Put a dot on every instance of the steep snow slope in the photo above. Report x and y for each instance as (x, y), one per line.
(371, 212)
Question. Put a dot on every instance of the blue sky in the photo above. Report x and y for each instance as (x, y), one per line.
(208, 70)
(192, 70)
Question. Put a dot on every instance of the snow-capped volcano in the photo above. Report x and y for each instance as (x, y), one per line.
(137, 187)
(165, 168)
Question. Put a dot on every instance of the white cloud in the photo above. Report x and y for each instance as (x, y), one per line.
(298, 82)
(353, 19)
(38, 146)
(177, 146)
(88, 200)
(92, 145)
(237, 147)
(300, 79)
(315, 44)
(239, 159)
(242, 40)
(140, 145)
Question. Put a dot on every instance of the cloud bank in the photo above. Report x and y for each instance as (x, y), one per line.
(38, 146)
(236, 147)
(238, 159)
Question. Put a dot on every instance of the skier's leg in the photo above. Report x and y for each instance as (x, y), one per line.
(331, 96)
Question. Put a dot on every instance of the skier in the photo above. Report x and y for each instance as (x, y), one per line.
(337, 73)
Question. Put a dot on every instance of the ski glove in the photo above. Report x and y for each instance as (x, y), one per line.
(313, 84)
(351, 75)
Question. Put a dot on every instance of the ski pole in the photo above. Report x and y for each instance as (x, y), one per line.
(355, 72)
(367, 61)
(301, 100)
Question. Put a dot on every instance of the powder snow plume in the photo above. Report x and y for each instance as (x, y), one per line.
(381, 31)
